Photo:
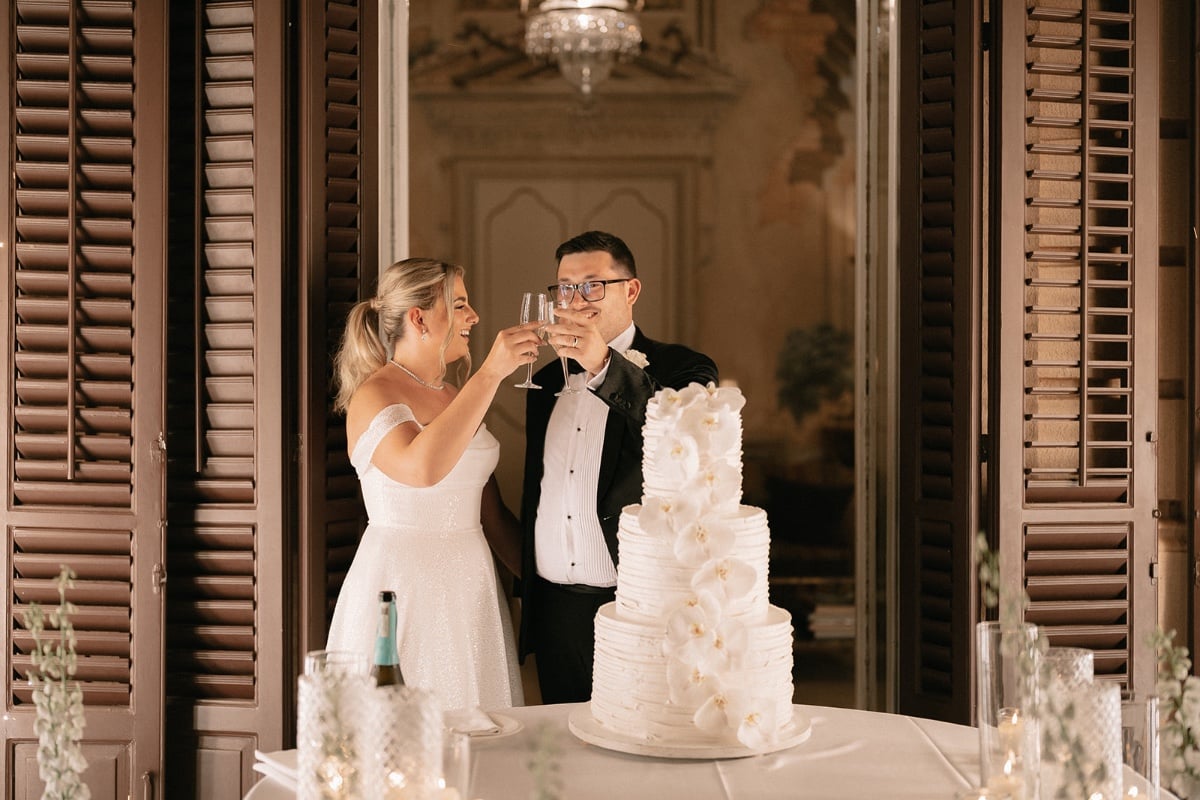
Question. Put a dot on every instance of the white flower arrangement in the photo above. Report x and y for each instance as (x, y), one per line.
(637, 358)
(1179, 696)
(57, 697)
(704, 646)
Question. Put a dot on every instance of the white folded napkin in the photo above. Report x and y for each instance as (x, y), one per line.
(471, 721)
(280, 766)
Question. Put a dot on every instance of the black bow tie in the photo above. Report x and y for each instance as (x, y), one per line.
(574, 367)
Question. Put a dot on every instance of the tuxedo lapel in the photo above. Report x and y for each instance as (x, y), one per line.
(614, 430)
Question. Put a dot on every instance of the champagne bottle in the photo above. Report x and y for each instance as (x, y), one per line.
(386, 670)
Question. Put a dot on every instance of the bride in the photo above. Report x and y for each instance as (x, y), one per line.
(424, 460)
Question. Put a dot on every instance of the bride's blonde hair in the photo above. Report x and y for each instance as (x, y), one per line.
(375, 325)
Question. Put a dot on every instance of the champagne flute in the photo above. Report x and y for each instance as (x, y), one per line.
(567, 387)
(533, 307)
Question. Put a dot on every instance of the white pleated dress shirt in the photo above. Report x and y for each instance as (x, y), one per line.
(568, 542)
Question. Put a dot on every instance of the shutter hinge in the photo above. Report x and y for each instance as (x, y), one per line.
(985, 447)
(158, 578)
(1154, 572)
(161, 445)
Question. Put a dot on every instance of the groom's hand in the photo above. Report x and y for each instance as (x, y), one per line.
(575, 335)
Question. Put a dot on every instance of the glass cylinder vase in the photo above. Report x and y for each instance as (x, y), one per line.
(1140, 746)
(1072, 667)
(1006, 708)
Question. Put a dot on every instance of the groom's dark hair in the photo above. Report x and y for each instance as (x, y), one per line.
(599, 241)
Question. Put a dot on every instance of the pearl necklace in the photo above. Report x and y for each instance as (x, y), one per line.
(436, 387)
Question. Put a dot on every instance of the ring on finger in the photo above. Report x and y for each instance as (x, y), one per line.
(574, 341)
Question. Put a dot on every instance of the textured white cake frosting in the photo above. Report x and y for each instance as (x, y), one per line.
(691, 652)
(651, 581)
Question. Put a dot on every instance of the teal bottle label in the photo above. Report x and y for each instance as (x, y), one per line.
(385, 643)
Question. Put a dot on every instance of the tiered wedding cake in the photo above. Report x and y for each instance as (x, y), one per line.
(691, 658)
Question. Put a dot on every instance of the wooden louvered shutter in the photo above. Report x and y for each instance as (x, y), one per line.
(339, 257)
(1077, 278)
(229, 471)
(82, 399)
(939, 355)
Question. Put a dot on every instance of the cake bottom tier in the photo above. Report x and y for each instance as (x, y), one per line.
(630, 695)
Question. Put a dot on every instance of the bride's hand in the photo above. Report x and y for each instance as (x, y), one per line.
(514, 347)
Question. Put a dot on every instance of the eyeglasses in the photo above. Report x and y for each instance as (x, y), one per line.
(590, 291)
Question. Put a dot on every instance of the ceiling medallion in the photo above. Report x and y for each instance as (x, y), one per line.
(585, 37)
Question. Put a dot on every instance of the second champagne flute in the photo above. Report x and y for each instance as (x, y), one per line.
(533, 307)
(567, 388)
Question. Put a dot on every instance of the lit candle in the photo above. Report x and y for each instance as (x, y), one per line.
(338, 775)
(1010, 728)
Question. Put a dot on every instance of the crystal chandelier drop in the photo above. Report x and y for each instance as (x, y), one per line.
(585, 37)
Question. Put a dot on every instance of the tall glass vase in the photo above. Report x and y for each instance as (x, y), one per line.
(1140, 745)
(1007, 708)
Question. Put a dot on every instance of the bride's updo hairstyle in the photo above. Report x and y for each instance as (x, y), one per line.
(374, 326)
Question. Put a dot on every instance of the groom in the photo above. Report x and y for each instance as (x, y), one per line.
(583, 455)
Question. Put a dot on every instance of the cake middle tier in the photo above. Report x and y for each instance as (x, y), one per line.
(651, 581)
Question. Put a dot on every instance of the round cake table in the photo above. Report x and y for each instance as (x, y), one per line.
(848, 755)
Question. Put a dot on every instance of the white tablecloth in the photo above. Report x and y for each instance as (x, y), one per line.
(850, 755)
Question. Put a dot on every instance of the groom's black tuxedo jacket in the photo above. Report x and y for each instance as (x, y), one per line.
(626, 390)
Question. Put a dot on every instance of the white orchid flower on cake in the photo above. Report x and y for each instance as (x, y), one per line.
(724, 649)
(725, 578)
(703, 540)
(711, 716)
(697, 635)
(717, 483)
(691, 627)
(672, 403)
(757, 725)
(728, 397)
(664, 516)
(751, 717)
(688, 684)
(678, 460)
(715, 428)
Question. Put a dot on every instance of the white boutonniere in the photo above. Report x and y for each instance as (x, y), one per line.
(636, 357)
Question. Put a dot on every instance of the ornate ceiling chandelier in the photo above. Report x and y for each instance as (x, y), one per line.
(585, 37)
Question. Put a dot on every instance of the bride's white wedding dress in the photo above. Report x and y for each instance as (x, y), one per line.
(427, 545)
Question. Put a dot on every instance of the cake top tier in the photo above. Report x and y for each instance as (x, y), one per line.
(693, 443)
(695, 398)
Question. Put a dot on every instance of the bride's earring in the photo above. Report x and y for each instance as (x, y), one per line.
(424, 335)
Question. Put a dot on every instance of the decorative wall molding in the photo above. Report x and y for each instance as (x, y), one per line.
(480, 56)
(482, 92)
